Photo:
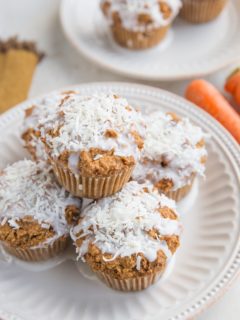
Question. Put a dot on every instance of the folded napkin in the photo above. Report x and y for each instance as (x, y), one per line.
(18, 60)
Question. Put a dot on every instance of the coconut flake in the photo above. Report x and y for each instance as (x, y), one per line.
(138, 263)
(13, 224)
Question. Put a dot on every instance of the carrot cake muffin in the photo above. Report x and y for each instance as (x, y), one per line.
(93, 143)
(30, 133)
(129, 238)
(140, 24)
(35, 212)
(174, 153)
(199, 11)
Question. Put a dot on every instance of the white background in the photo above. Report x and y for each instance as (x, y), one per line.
(63, 66)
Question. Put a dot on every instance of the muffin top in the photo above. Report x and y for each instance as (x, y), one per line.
(33, 207)
(30, 133)
(174, 150)
(133, 229)
(95, 134)
(139, 15)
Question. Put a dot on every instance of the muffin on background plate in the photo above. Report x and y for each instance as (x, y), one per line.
(35, 212)
(93, 143)
(140, 24)
(174, 154)
(200, 11)
(128, 239)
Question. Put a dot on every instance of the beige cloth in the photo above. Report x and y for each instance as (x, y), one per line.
(16, 72)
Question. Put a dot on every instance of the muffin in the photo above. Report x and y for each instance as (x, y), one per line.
(174, 154)
(30, 133)
(139, 24)
(35, 212)
(93, 143)
(199, 11)
(128, 239)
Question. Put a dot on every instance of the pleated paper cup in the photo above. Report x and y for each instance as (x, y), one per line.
(138, 40)
(91, 187)
(181, 193)
(131, 284)
(199, 11)
(40, 253)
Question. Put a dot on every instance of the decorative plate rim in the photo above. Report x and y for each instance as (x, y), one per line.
(229, 59)
(226, 141)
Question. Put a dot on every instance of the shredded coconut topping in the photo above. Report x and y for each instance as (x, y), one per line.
(119, 224)
(29, 189)
(31, 121)
(82, 121)
(170, 150)
(129, 11)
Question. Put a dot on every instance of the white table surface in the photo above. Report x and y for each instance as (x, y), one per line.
(38, 20)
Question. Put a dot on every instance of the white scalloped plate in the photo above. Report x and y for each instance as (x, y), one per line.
(188, 51)
(207, 262)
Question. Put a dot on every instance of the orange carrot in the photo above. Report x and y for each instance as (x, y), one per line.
(232, 85)
(207, 97)
(237, 94)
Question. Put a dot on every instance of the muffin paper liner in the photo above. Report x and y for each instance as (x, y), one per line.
(91, 187)
(132, 284)
(39, 253)
(138, 40)
(199, 11)
(180, 193)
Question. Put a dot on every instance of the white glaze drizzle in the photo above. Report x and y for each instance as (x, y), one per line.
(120, 223)
(166, 138)
(129, 11)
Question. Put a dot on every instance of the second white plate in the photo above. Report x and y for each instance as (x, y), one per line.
(188, 51)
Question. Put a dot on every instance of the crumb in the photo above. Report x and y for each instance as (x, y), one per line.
(200, 144)
(110, 133)
(144, 18)
(138, 140)
(71, 214)
(167, 213)
(165, 9)
(165, 185)
(29, 111)
(174, 116)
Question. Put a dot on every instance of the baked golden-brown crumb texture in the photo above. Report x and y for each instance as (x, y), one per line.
(124, 267)
(97, 162)
(28, 234)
